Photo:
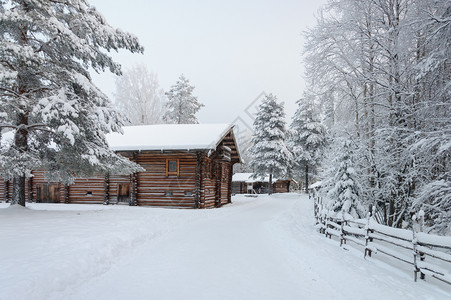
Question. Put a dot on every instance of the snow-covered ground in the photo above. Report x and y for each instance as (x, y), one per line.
(256, 248)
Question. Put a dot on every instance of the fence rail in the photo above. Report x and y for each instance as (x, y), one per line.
(428, 254)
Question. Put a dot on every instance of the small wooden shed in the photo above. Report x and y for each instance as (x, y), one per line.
(186, 165)
(244, 183)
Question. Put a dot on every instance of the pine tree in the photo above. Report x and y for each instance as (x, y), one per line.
(182, 106)
(345, 192)
(269, 153)
(57, 116)
(307, 139)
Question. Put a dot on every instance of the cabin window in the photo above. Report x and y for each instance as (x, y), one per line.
(172, 167)
(188, 194)
(168, 193)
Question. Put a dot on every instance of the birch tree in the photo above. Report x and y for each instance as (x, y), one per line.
(382, 68)
(140, 97)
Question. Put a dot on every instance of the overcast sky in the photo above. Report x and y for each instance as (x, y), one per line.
(231, 51)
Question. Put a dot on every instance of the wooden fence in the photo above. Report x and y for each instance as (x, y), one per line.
(428, 254)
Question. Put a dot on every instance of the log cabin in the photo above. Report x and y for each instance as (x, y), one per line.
(186, 166)
(244, 183)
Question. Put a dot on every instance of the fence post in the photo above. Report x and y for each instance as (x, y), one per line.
(422, 256)
(342, 234)
(315, 208)
(321, 215)
(368, 239)
(416, 253)
(327, 226)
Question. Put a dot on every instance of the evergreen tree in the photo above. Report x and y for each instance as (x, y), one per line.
(307, 139)
(269, 153)
(58, 118)
(182, 106)
(345, 192)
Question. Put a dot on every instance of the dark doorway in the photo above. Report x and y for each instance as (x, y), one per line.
(123, 193)
(47, 193)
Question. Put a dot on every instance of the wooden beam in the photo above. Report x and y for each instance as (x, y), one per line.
(106, 195)
(6, 191)
(199, 162)
(30, 189)
(66, 194)
(134, 180)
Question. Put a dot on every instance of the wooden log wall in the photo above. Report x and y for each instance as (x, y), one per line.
(226, 183)
(2, 189)
(208, 183)
(114, 181)
(38, 180)
(281, 187)
(9, 190)
(158, 189)
(87, 190)
(239, 187)
(201, 180)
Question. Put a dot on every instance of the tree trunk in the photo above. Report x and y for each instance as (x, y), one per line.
(306, 178)
(391, 212)
(270, 183)
(21, 144)
(18, 191)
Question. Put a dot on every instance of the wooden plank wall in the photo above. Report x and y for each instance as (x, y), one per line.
(153, 184)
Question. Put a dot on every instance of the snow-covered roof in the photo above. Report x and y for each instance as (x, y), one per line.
(169, 137)
(315, 185)
(239, 177)
(247, 177)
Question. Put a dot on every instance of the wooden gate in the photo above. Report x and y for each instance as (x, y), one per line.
(47, 193)
(123, 193)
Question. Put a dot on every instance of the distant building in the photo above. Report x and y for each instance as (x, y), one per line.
(244, 183)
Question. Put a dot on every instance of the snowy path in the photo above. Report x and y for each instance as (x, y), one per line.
(263, 248)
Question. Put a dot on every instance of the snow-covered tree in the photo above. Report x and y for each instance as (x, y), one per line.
(382, 70)
(244, 140)
(140, 97)
(345, 193)
(182, 106)
(269, 153)
(307, 139)
(56, 116)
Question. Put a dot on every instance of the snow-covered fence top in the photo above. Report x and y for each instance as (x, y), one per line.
(394, 242)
